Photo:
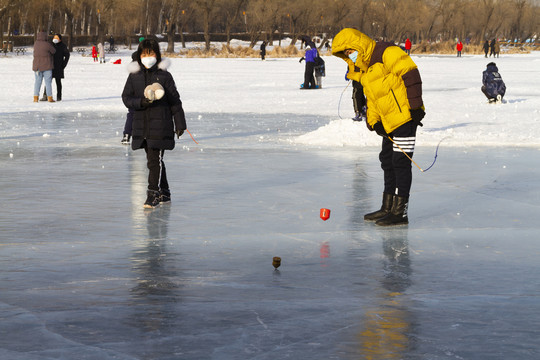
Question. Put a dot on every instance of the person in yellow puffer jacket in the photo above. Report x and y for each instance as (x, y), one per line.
(393, 90)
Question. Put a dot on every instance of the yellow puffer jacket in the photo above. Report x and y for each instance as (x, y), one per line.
(383, 70)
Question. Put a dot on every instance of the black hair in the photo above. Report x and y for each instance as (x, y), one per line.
(59, 36)
(149, 44)
(491, 64)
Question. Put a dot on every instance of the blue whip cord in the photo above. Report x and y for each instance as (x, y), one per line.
(436, 153)
(339, 103)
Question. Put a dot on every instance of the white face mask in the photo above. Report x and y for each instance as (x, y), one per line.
(354, 56)
(56, 41)
(148, 61)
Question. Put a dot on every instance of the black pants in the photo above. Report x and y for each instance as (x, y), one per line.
(396, 166)
(129, 122)
(359, 100)
(157, 176)
(58, 89)
(309, 79)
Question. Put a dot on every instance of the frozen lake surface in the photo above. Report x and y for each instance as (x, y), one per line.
(87, 273)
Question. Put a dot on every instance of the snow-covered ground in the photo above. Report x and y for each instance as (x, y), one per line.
(87, 273)
(456, 109)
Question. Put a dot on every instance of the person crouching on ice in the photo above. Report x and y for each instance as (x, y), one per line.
(158, 114)
(393, 90)
(492, 84)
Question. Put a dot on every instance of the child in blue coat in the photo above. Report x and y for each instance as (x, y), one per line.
(493, 85)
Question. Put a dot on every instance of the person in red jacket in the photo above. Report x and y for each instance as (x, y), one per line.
(459, 47)
(94, 53)
(408, 46)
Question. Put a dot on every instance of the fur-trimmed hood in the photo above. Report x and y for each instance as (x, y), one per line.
(134, 66)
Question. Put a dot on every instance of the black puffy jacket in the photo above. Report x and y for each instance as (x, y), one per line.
(61, 58)
(493, 81)
(156, 123)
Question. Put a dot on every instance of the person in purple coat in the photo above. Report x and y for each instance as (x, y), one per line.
(309, 79)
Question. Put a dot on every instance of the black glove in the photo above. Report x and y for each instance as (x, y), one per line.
(417, 115)
(145, 103)
(379, 129)
(300, 61)
(179, 133)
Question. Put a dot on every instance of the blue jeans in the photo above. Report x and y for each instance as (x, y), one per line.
(39, 76)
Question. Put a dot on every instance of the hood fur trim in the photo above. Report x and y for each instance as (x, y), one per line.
(134, 66)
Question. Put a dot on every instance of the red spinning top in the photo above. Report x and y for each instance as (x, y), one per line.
(325, 214)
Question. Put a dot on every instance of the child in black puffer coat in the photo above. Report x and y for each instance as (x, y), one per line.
(158, 115)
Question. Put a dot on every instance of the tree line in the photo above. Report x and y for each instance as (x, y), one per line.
(391, 20)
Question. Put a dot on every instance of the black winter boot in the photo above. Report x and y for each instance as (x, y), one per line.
(385, 209)
(398, 214)
(152, 199)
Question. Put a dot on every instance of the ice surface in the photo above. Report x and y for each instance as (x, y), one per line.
(87, 273)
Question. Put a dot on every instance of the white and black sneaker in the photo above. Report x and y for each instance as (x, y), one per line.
(164, 196)
(125, 139)
(152, 199)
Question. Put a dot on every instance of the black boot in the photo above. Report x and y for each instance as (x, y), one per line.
(385, 209)
(398, 214)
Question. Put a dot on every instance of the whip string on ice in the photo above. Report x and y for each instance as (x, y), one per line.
(341, 96)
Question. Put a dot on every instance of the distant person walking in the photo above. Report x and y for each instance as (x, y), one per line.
(263, 50)
(42, 65)
(94, 53)
(497, 48)
(492, 84)
(61, 58)
(408, 46)
(459, 47)
(486, 48)
(309, 79)
(101, 53)
(111, 44)
(492, 48)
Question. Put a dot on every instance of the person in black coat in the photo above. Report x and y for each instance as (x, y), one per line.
(158, 115)
(486, 48)
(263, 50)
(60, 61)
